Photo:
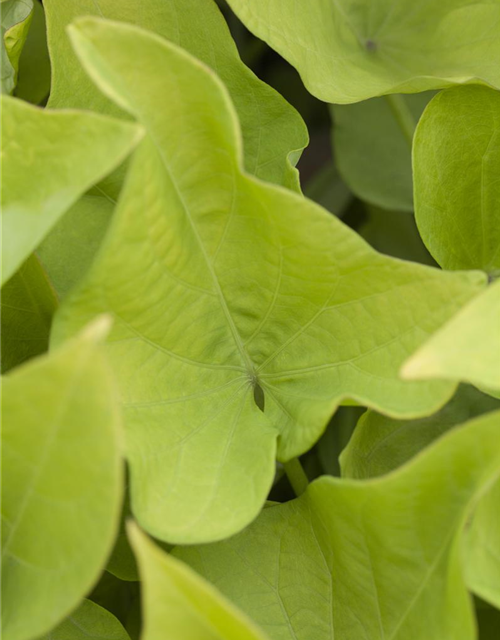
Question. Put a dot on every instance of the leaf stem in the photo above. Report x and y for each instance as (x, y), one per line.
(403, 115)
(296, 475)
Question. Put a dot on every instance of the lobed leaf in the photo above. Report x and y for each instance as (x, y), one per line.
(62, 483)
(88, 622)
(60, 155)
(27, 304)
(456, 161)
(351, 50)
(466, 348)
(248, 292)
(180, 604)
(364, 559)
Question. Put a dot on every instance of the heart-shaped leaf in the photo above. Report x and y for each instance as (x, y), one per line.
(351, 50)
(259, 311)
(59, 155)
(62, 483)
(376, 559)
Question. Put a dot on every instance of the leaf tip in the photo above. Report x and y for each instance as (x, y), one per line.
(98, 330)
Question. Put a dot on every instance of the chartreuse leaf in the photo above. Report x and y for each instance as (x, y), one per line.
(27, 304)
(259, 311)
(176, 603)
(273, 132)
(16, 17)
(58, 155)
(466, 348)
(372, 142)
(33, 83)
(88, 622)
(61, 483)
(371, 559)
(380, 444)
(456, 162)
(351, 50)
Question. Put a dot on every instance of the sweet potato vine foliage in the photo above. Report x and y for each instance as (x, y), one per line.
(251, 384)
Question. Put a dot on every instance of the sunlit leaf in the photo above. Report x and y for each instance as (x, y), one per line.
(467, 348)
(351, 50)
(364, 559)
(62, 483)
(179, 604)
(49, 160)
(248, 291)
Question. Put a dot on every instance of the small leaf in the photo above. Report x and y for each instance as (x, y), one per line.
(58, 155)
(16, 19)
(241, 283)
(373, 151)
(373, 559)
(466, 348)
(179, 604)
(88, 622)
(62, 483)
(350, 50)
(28, 303)
(456, 164)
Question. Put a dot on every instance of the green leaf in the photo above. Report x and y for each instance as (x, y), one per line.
(466, 348)
(273, 132)
(16, 18)
(350, 50)
(373, 148)
(456, 164)
(62, 483)
(242, 284)
(179, 604)
(122, 562)
(481, 546)
(488, 623)
(69, 249)
(88, 622)
(380, 444)
(364, 559)
(33, 83)
(28, 303)
(59, 155)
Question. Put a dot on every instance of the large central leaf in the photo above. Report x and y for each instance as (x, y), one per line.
(351, 50)
(251, 296)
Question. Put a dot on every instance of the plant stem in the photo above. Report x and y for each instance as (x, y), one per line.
(296, 475)
(403, 115)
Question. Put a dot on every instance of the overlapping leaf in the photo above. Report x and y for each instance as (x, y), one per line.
(372, 142)
(456, 163)
(33, 82)
(16, 18)
(28, 303)
(375, 559)
(246, 290)
(88, 622)
(50, 158)
(179, 604)
(62, 483)
(467, 348)
(351, 50)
